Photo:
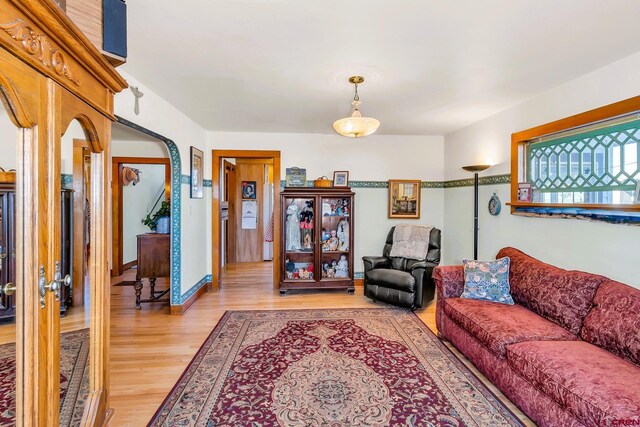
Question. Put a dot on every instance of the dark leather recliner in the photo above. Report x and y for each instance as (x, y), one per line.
(402, 281)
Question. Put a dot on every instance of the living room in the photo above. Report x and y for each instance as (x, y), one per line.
(434, 157)
(451, 86)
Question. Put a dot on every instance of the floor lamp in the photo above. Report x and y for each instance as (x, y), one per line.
(475, 169)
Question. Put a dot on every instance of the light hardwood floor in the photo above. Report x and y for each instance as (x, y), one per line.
(150, 348)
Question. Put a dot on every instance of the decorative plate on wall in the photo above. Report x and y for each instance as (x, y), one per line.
(494, 205)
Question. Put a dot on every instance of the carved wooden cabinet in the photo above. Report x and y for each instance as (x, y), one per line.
(317, 238)
(153, 261)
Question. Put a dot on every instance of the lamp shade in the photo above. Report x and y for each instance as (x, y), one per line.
(356, 125)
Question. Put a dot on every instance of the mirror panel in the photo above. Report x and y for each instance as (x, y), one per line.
(8, 289)
(75, 292)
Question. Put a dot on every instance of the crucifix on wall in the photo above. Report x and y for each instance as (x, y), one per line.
(138, 94)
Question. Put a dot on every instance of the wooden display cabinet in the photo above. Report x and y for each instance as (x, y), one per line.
(8, 246)
(317, 238)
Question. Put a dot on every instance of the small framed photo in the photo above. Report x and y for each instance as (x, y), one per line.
(341, 179)
(248, 189)
(197, 173)
(404, 198)
(636, 197)
(524, 192)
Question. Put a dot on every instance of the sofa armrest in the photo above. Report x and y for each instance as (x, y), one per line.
(371, 262)
(449, 281)
(449, 284)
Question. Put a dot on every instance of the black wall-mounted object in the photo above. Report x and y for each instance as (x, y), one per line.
(114, 27)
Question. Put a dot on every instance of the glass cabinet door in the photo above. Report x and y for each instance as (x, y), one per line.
(335, 237)
(300, 239)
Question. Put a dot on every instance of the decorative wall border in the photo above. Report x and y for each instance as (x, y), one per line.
(483, 180)
(66, 180)
(186, 180)
(176, 199)
(467, 182)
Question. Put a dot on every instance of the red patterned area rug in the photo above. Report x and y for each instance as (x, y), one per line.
(352, 367)
(74, 379)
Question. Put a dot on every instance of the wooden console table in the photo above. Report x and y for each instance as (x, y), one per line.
(153, 261)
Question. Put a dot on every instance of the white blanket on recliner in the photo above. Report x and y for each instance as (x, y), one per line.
(410, 241)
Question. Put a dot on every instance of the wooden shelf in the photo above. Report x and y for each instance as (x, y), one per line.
(629, 208)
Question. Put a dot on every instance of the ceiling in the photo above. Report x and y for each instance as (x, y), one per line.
(431, 66)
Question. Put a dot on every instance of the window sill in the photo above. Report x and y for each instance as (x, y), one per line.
(624, 208)
(612, 214)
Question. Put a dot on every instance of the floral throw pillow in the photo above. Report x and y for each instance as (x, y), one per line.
(487, 280)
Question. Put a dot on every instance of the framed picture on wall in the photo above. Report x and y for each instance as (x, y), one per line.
(636, 197)
(197, 173)
(341, 179)
(404, 198)
(248, 189)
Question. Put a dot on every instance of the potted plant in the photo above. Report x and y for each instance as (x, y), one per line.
(159, 221)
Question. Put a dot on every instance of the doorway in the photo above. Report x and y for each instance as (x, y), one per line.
(135, 202)
(145, 215)
(245, 212)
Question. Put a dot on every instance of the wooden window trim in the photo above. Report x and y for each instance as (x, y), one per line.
(598, 114)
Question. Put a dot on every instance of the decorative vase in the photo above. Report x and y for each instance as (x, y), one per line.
(163, 225)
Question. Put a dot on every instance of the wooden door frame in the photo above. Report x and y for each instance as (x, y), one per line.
(117, 267)
(216, 237)
(226, 164)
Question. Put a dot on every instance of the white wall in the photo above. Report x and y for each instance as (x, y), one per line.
(121, 148)
(608, 249)
(137, 202)
(74, 131)
(8, 141)
(375, 158)
(163, 118)
(8, 144)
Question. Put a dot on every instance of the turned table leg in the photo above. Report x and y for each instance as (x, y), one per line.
(152, 285)
(138, 289)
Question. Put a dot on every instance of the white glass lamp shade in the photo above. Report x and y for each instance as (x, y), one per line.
(356, 126)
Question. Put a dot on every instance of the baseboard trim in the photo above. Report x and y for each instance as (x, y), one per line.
(358, 282)
(181, 309)
(129, 265)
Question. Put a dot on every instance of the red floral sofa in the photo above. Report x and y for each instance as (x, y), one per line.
(567, 353)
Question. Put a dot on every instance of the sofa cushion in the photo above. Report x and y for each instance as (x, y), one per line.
(614, 321)
(497, 325)
(390, 278)
(487, 280)
(562, 296)
(593, 384)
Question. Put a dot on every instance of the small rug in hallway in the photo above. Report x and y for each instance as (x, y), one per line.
(74, 379)
(350, 367)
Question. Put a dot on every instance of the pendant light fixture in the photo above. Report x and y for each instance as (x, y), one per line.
(356, 126)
